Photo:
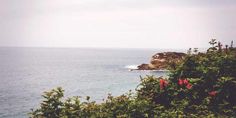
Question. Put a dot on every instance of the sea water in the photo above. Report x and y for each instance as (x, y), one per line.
(25, 73)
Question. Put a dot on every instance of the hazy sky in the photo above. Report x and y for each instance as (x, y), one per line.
(116, 23)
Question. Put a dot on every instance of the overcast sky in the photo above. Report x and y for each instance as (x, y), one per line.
(116, 23)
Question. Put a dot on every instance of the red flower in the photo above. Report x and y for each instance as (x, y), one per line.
(188, 86)
(212, 93)
(185, 82)
(163, 83)
(180, 82)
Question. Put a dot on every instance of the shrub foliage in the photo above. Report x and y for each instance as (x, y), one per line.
(202, 85)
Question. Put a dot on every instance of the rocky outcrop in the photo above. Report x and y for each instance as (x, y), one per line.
(144, 67)
(160, 61)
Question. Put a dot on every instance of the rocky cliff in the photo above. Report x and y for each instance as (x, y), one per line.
(160, 61)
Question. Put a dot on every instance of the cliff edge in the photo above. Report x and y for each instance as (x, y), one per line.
(160, 61)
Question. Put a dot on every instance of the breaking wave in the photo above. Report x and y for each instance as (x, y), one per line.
(132, 67)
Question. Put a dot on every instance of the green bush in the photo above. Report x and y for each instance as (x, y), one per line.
(202, 85)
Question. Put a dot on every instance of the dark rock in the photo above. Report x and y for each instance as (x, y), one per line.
(144, 67)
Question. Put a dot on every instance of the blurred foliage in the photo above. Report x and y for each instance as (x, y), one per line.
(202, 85)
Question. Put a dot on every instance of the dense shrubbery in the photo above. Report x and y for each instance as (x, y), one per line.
(202, 85)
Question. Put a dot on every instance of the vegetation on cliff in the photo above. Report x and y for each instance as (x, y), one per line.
(161, 61)
(201, 85)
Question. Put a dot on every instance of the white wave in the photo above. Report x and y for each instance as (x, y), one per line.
(133, 67)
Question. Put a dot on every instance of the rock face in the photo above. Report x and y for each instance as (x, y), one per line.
(160, 61)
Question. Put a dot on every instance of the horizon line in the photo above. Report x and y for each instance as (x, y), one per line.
(91, 47)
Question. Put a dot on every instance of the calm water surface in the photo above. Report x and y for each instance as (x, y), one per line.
(26, 72)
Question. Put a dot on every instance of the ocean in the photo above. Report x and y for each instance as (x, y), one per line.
(25, 73)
